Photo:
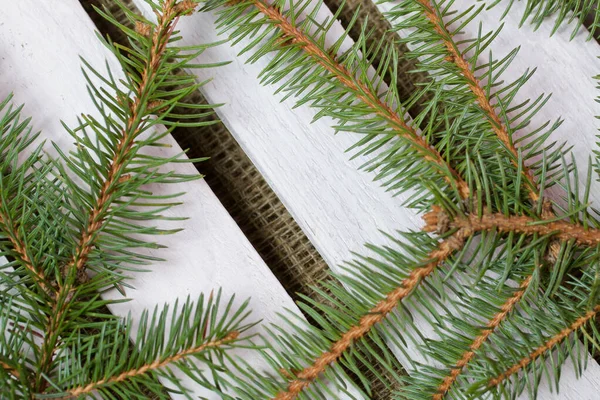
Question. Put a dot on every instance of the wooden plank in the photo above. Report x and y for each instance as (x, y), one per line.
(338, 207)
(42, 42)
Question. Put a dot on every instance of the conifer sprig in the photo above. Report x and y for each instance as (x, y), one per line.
(74, 224)
(346, 94)
(548, 346)
(433, 14)
(373, 317)
(572, 12)
(468, 355)
(164, 340)
(138, 116)
(436, 46)
(471, 115)
(15, 138)
(487, 224)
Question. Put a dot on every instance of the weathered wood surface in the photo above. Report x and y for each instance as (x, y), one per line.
(40, 45)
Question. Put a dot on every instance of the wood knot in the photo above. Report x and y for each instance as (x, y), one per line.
(436, 221)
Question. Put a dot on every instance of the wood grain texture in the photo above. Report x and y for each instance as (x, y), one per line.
(40, 47)
(338, 207)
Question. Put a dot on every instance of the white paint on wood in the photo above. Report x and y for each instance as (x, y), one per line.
(40, 45)
(339, 208)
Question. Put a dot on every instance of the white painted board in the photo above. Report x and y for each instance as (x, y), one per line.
(338, 207)
(39, 61)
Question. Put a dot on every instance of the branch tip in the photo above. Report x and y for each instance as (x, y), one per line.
(373, 317)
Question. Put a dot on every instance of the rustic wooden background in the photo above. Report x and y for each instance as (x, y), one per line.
(282, 203)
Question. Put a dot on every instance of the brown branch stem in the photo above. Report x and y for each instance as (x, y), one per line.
(549, 345)
(375, 316)
(20, 249)
(81, 390)
(467, 356)
(296, 36)
(166, 21)
(476, 88)
(561, 230)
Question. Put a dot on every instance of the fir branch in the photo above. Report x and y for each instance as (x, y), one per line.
(292, 34)
(18, 134)
(192, 339)
(19, 249)
(581, 14)
(546, 347)
(462, 363)
(135, 124)
(139, 116)
(374, 316)
(81, 390)
(468, 135)
(552, 227)
(432, 13)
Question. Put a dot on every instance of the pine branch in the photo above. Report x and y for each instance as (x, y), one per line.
(469, 137)
(462, 363)
(546, 347)
(139, 116)
(292, 35)
(135, 124)
(365, 94)
(470, 117)
(432, 13)
(434, 16)
(580, 14)
(19, 248)
(374, 316)
(90, 387)
(192, 339)
(18, 134)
